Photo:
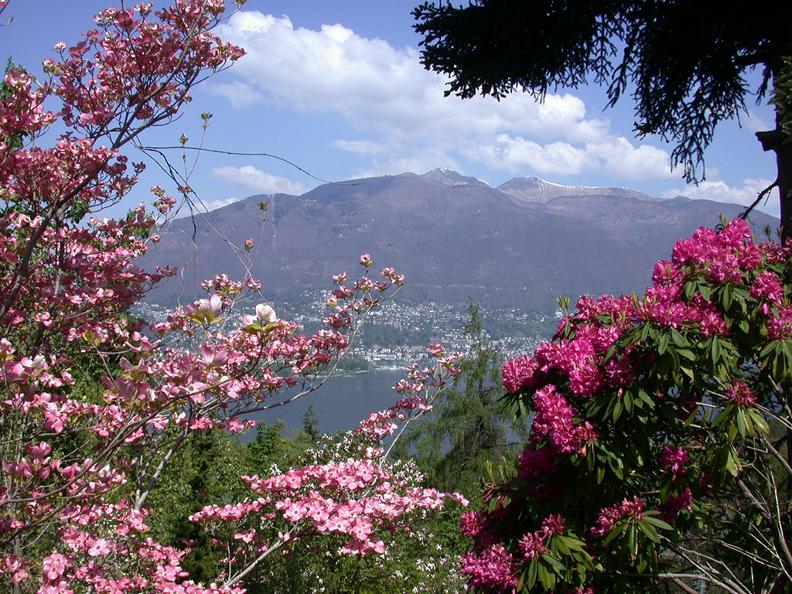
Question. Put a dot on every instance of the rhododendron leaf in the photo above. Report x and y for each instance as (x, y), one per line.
(759, 421)
(560, 545)
(650, 519)
(649, 531)
(742, 424)
(687, 354)
(662, 343)
(533, 572)
(547, 579)
(632, 541)
(557, 566)
(733, 465)
(678, 338)
(715, 351)
(614, 533)
(628, 403)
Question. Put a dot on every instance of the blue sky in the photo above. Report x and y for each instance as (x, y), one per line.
(336, 88)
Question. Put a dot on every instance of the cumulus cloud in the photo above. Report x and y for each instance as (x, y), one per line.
(616, 156)
(258, 181)
(515, 153)
(219, 203)
(720, 191)
(240, 94)
(621, 158)
(381, 89)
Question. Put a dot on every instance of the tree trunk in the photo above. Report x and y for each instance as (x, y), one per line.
(784, 164)
(780, 142)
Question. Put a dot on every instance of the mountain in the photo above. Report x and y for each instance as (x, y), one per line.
(449, 177)
(454, 237)
(534, 189)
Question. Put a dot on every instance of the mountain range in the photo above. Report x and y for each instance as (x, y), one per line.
(521, 244)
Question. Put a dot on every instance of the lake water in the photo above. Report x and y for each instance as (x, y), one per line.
(341, 403)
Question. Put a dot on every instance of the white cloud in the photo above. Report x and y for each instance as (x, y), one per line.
(720, 191)
(514, 153)
(384, 90)
(416, 162)
(621, 158)
(240, 94)
(259, 181)
(361, 147)
(614, 155)
(219, 203)
(756, 122)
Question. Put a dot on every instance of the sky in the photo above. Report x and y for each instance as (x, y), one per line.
(337, 89)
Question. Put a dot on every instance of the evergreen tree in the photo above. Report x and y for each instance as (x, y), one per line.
(469, 428)
(684, 63)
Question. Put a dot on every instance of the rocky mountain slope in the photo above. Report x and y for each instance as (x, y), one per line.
(455, 237)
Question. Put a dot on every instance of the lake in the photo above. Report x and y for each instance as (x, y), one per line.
(341, 403)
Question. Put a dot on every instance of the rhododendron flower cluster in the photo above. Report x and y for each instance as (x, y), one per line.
(638, 408)
(609, 516)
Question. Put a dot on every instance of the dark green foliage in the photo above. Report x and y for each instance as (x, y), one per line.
(469, 428)
(206, 470)
(311, 424)
(684, 62)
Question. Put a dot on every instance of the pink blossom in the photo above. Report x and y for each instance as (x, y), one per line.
(493, 569)
(518, 373)
(610, 516)
(767, 285)
(740, 395)
(674, 460)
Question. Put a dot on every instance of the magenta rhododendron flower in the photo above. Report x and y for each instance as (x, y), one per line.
(740, 395)
(674, 460)
(518, 373)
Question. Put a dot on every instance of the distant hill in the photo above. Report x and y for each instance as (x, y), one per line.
(522, 244)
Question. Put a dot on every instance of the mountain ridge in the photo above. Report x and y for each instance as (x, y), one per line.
(453, 236)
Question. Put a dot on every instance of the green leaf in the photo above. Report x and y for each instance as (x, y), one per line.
(573, 543)
(548, 579)
(759, 422)
(726, 297)
(741, 423)
(614, 533)
(687, 354)
(557, 566)
(562, 546)
(628, 403)
(715, 350)
(662, 343)
(649, 532)
(632, 542)
(533, 572)
(733, 462)
(657, 522)
(678, 338)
